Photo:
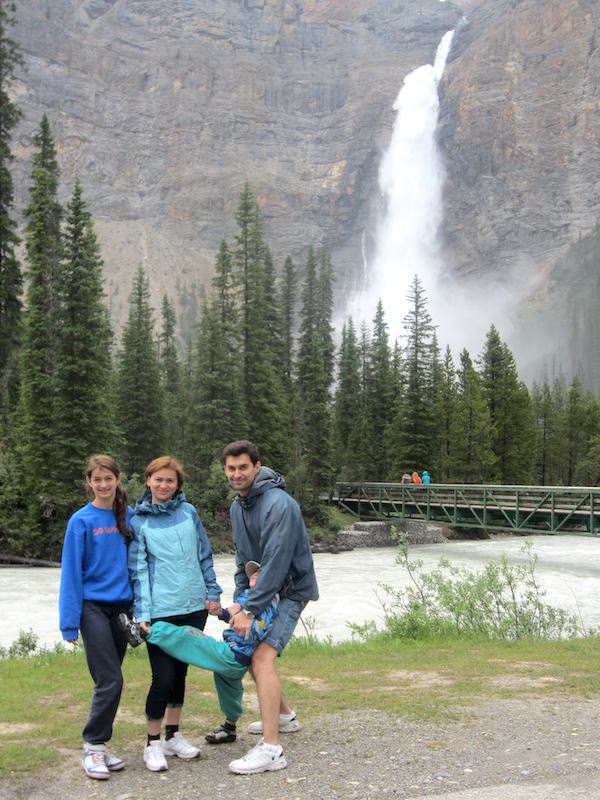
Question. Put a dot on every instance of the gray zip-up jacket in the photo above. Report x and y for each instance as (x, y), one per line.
(268, 528)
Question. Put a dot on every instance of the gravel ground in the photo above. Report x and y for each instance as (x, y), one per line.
(508, 750)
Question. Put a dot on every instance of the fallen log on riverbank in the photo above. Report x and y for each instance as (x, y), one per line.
(6, 560)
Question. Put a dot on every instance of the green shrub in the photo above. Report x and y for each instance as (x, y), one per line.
(503, 601)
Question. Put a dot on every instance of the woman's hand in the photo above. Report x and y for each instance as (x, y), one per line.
(214, 607)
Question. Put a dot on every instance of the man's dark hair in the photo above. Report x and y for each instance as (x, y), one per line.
(239, 448)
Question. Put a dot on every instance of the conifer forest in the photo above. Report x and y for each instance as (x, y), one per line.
(264, 363)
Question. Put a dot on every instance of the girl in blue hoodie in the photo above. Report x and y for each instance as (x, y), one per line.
(171, 569)
(94, 590)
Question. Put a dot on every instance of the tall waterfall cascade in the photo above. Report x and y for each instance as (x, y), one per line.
(410, 179)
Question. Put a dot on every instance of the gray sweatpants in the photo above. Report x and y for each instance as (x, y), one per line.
(105, 646)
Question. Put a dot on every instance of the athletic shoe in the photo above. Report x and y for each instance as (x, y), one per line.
(132, 630)
(154, 758)
(178, 746)
(262, 758)
(94, 763)
(113, 762)
(287, 724)
(221, 735)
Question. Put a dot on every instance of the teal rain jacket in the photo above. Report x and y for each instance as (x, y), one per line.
(170, 560)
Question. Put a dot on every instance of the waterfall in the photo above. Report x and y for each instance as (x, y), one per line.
(410, 180)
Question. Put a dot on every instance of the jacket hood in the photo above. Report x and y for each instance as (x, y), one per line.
(145, 505)
(265, 480)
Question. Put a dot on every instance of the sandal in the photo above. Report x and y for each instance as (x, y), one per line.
(221, 735)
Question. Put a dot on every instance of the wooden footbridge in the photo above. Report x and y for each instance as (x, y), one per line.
(519, 509)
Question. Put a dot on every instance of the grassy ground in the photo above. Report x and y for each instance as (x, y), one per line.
(44, 699)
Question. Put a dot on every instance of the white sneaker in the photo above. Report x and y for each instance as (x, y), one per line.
(154, 758)
(94, 763)
(113, 762)
(180, 747)
(262, 758)
(287, 724)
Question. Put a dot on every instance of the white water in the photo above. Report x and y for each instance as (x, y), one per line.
(410, 179)
(349, 583)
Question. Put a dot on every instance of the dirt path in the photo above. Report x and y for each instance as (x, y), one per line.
(512, 750)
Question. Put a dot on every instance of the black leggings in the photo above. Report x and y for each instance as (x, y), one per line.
(168, 674)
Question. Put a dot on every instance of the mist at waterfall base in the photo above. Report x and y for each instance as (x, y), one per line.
(411, 179)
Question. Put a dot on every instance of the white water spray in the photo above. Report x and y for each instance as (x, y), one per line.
(410, 179)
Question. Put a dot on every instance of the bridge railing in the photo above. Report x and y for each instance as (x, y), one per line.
(535, 509)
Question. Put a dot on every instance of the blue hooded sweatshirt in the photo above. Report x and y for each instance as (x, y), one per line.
(94, 566)
(268, 528)
(170, 559)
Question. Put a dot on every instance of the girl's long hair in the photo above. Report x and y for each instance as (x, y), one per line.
(120, 502)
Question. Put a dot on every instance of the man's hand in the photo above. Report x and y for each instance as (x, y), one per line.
(214, 607)
(241, 625)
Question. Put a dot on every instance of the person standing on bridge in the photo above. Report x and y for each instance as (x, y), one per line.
(416, 479)
(268, 528)
(426, 478)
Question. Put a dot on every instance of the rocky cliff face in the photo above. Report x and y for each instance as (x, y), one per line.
(519, 129)
(164, 108)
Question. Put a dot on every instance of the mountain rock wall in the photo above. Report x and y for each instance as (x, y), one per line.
(165, 108)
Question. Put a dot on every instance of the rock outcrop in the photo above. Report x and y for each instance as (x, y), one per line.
(163, 109)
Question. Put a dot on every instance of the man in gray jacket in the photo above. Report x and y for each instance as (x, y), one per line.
(267, 528)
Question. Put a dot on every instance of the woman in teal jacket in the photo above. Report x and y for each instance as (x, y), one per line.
(171, 569)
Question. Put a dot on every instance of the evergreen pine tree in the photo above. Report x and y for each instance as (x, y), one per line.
(287, 299)
(314, 381)
(547, 469)
(171, 380)
(580, 425)
(380, 396)
(447, 416)
(37, 413)
(513, 434)
(416, 425)
(139, 391)
(348, 401)
(358, 456)
(262, 390)
(11, 279)
(472, 458)
(84, 420)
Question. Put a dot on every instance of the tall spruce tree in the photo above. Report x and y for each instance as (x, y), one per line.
(139, 391)
(380, 396)
(84, 420)
(416, 423)
(546, 419)
(37, 413)
(580, 425)
(171, 379)
(472, 458)
(348, 407)
(287, 299)
(262, 390)
(11, 279)
(447, 416)
(513, 434)
(314, 380)
(217, 412)
(358, 459)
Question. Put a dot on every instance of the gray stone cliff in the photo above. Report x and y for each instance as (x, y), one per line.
(163, 109)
